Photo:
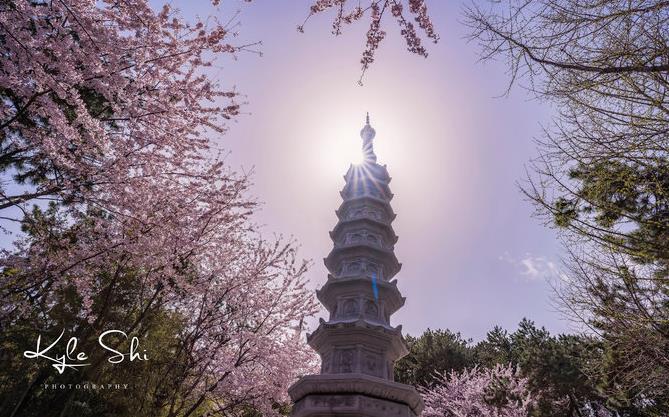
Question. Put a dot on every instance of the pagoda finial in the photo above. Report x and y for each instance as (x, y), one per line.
(367, 134)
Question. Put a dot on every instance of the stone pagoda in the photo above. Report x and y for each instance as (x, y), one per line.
(357, 345)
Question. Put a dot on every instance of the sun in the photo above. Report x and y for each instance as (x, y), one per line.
(344, 147)
(355, 156)
(336, 148)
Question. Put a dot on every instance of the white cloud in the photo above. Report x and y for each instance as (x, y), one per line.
(533, 268)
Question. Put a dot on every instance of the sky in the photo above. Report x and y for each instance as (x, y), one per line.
(473, 255)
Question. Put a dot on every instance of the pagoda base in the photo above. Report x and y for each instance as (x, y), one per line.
(353, 395)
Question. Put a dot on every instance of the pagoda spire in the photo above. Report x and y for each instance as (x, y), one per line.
(357, 344)
(367, 134)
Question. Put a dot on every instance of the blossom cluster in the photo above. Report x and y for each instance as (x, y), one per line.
(498, 392)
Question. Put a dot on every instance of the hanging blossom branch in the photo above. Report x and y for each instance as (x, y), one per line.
(376, 10)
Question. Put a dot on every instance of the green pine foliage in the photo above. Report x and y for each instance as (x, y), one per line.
(558, 368)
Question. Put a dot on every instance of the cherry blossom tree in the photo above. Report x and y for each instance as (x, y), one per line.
(96, 97)
(495, 392)
(106, 114)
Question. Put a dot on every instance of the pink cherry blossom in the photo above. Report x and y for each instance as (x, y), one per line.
(479, 392)
(107, 110)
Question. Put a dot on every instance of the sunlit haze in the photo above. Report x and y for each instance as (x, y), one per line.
(473, 256)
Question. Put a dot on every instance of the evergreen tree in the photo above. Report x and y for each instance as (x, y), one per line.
(435, 351)
(602, 176)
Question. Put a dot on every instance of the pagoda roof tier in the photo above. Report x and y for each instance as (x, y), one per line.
(383, 196)
(344, 226)
(350, 286)
(368, 169)
(365, 202)
(330, 335)
(356, 250)
(366, 184)
(353, 384)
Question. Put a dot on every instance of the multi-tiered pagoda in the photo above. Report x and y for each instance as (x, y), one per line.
(357, 345)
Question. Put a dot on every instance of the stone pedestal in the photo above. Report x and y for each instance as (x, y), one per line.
(353, 395)
(357, 345)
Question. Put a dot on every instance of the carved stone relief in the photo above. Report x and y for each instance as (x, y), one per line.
(372, 364)
(363, 236)
(371, 310)
(350, 308)
(326, 363)
(346, 363)
(365, 212)
(380, 407)
(332, 401)
(361, 266)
